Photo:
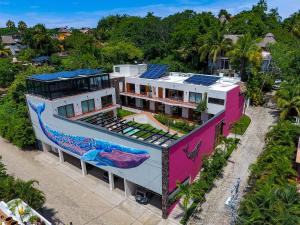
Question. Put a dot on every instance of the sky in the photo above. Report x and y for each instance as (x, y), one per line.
(86, 13)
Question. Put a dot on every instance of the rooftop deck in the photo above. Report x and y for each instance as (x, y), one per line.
(131, 129)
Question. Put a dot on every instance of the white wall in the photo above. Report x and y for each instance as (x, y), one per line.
(76, 100)
(186, 88)
(148, 174)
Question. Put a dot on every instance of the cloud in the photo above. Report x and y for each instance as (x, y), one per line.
(90, 18)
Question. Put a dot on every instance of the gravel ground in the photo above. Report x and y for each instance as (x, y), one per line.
(214, 211)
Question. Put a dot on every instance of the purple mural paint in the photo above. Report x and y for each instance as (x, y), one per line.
(99, 152)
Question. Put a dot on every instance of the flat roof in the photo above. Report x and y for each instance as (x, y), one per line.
(219, 83)
(66, 74)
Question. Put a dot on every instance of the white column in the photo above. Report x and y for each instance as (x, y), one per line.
(152, 106)
(46, 147)
(83, 167)
(61, 156)
(126, 189)
(111, 181)
(185, 113)
(168, 110)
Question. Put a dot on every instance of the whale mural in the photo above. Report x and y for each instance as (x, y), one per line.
(98, 152)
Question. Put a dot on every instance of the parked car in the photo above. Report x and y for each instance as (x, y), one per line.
(142, 196)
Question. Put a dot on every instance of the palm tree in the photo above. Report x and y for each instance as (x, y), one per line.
(185, 192)
(288, 100)
(245, 52)
(10, 24)
(41, 39)
(22, 26)
(213, 46)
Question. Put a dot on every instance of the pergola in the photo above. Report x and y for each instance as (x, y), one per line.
(131, 129)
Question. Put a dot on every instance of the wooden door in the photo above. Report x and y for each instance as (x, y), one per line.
(160, 92)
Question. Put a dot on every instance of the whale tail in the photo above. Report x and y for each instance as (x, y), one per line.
(39, 108)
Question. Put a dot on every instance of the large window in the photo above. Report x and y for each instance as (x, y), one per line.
(67, 87)
(88, 106)
(216, 101)
(66, 110)
(106, 101)
(174, 94)
(195, 97)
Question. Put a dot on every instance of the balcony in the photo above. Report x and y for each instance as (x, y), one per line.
(166, 101)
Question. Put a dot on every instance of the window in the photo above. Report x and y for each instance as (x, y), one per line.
(216, 101)
(88, 106)
(117, 69)
(106, 100)
(174, 94)
(66, 110)
(195, 97)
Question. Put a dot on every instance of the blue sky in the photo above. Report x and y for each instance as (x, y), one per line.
(80, 13)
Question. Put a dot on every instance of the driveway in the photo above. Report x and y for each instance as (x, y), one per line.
(214, 211)
(71, 197)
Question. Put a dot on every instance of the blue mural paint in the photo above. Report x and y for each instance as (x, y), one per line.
(99, 152)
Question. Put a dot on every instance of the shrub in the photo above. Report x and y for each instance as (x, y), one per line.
(11, 188)
(272, 196)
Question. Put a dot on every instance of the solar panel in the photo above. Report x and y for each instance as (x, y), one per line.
(66, 74)
(155, 71)
(202, 80)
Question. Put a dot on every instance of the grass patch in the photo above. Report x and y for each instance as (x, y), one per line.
(241, 126)
(122, 113)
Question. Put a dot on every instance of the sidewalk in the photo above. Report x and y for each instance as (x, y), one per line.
(214, 211)
(71, 197)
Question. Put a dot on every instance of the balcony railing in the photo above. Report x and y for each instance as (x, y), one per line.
(167, 101)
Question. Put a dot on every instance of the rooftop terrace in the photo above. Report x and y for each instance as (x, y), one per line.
(131, 129)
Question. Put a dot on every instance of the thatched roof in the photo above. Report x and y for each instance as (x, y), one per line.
(7, 40)
(267, 40)
(233, 37)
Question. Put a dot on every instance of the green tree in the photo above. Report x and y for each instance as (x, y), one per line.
(245, 53)
(213, 46)
(10, 24)
(26, 54)
(8, 72)
(288, 100)
(185, 192)
(121, 52)
(15, 124)
(22, 26)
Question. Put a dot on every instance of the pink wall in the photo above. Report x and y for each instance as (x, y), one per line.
(180, 166)
(234, 108)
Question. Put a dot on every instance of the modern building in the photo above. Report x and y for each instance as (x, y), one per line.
(172, 93)
(74, 114)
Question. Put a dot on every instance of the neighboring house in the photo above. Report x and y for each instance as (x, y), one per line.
(223, 65)
(63, 33)
(268, 40)
(74, 113)
(12, 43)
(41, 60)
(86, 30)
